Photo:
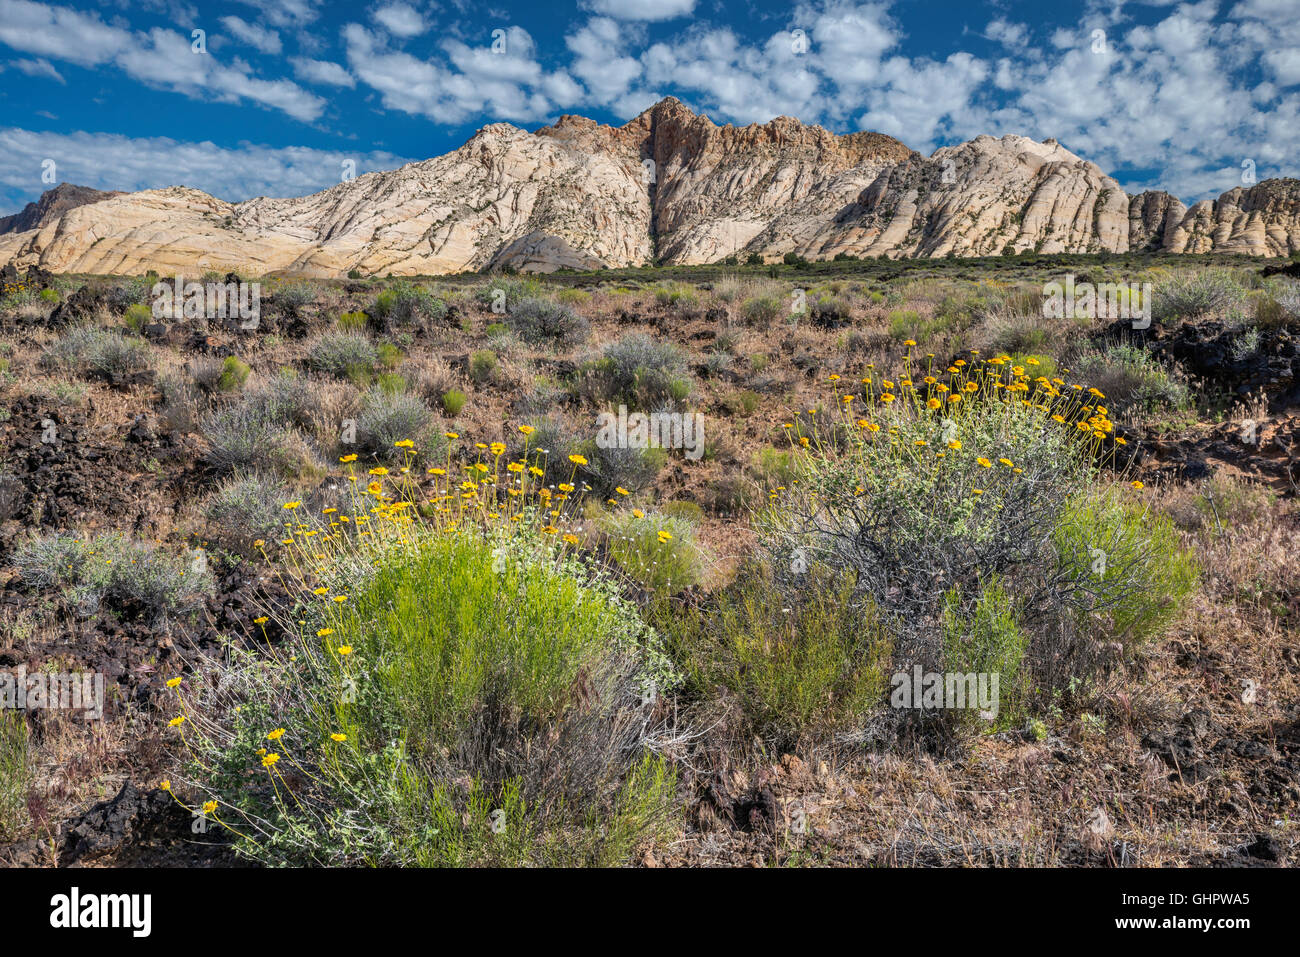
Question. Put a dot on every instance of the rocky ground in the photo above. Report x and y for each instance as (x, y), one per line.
(1191, 757)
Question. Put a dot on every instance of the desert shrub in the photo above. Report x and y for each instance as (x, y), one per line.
(342, 354)
(930, 498)
(718, 362)
(612, 468)
(110, 571)
(474, 702)
(504, 292)
(1129, 573)
(391, 382)
(404, 305)
(1132, 380)
(677, 295)
(391, 417)
(987, 640)
(259, 433)
(101, 352)
(482, 365)
(453, 400)
(659, 551)
(245, 508)
(1223, 502)
(1017, 332)
(1189, 294)
(744, 402)
(540, 320)
(730, 495)
(762, 311)
(831, 312)
(388, 355)
(430, 376)
(1287, 296)
(639, 371)
(15, 773)
(775, 468)
(680, 508)
(353, 322)
(293, 296)
(801, 664)
(573, 297)
(136, 317)
(234, 373)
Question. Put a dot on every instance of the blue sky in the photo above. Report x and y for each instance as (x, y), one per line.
(283, 92)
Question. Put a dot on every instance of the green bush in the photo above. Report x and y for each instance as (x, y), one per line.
(388, 355)
(761, 311)
(802, 664)
(353, 322)
(504, 292)
(1137, 574)
(453, 400)
(498, 716)
(15, 774)
(234, 373)
(137, 316)
(482, 366)
(404, 305)
(664, 565)
(988, 640)
(341, 354)
(677, 295)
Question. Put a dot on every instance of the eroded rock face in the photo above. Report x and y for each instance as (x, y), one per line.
(1263, 220)
(981, 198)
(52, 204)
(1153, 217)
(670, 186)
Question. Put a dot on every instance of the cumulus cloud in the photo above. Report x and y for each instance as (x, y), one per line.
(1178, 96)
(260, 38)
(160, 57)
(321, 72)
(41, 67)
(110, 161)
(400, 19)
(641, 9)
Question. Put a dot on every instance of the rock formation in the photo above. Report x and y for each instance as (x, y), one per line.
(669, 186)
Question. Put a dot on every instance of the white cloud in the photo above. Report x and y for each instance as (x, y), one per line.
(400, 19)
(161, 58)
(286, 13)
(648, 10)
(110, 161)
(322, 72)
(260, 38)
(40, 67)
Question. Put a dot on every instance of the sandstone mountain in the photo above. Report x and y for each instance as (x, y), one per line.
(669, 186)
(52, 204)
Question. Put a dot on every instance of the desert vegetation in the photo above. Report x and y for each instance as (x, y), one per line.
(371, 586)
